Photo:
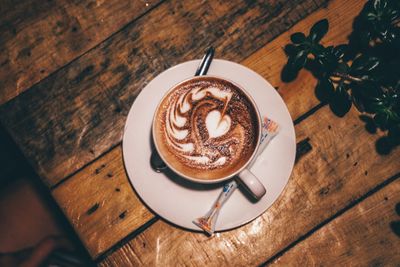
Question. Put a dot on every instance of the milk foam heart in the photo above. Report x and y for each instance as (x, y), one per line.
(217, 126)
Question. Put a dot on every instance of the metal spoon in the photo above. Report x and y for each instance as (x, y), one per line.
(156, 163)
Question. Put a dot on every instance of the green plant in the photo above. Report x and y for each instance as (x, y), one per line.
(365, 72)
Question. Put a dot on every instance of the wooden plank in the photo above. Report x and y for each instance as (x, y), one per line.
(261, 61)
(78, 113)
(362, 236)
(38, 37)
(100, 205)
(337, 170)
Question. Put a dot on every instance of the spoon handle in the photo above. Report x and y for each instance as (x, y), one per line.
(205, 62)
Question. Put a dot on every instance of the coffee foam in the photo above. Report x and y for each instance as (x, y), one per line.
(206, 128)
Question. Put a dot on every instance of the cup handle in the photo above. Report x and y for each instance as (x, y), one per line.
(252, 184)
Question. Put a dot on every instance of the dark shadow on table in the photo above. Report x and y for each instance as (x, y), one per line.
(18, 177)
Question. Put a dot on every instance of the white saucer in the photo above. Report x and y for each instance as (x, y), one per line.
(180, 202)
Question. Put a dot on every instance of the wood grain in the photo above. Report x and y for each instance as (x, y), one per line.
(261, 62)
(331, 176)
(78, 113)
(362, 236)
(100, 203)
(38, 37)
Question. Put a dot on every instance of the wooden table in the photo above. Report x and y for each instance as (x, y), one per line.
(70, 70)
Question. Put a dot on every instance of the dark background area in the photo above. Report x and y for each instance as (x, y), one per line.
(28, 213)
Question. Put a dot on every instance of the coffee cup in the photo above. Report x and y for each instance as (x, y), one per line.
(207, 129)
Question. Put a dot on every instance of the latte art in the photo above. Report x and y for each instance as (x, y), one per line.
(179, 122)
(207, 124)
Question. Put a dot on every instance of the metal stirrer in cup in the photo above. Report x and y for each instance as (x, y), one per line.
(157, 164)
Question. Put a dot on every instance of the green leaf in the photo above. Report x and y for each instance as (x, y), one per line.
(370, 125)
(340, 103)
(290, 50)
(372, 64)
(289, 73)
(371, 90)
(324, 90)
(340, 50)
(393, 116)
(357, 99)
(319, 50)
(381, 119)
(327, 59)
(304, 46)
(379, 5)
(371, 16)
(299, 60)
(318, 30)
(394, 133)
(376, 106)
(298, 38)
(364, 38)
(295, 63)
(359, 63)
(364, 63)
(342, 68)
(383, 146)
(316, 69)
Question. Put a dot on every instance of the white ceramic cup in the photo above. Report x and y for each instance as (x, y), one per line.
(244, 175)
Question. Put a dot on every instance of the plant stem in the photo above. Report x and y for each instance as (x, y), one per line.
(350, 78)
(347, 77)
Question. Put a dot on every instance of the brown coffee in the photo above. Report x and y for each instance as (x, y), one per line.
(206, 128)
